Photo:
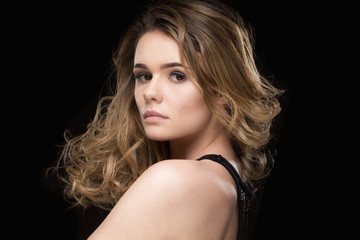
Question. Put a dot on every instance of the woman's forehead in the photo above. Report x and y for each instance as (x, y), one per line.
(156, 47)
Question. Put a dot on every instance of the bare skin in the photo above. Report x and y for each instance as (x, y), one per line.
(179, 198)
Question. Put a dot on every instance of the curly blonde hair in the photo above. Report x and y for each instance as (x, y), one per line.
(101, 164)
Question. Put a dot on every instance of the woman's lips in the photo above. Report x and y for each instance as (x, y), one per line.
(153, 116)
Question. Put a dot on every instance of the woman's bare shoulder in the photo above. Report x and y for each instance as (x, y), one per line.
(193, 173)
(193, 177)
(174, 198)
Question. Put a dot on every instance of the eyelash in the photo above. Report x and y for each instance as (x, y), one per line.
(141, 75)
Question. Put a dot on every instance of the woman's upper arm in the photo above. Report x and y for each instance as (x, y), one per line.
(168, 201)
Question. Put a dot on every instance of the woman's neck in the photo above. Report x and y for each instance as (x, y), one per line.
(210, 141)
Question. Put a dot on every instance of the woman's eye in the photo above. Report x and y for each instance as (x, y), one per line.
(177, 77)
(143, 77)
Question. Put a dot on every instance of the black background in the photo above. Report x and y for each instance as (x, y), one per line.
(59, 58)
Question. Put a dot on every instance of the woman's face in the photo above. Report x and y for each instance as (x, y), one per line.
(170, 105)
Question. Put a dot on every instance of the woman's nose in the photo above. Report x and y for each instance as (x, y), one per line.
(154, 90)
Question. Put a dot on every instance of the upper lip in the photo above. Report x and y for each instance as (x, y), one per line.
(153, 113)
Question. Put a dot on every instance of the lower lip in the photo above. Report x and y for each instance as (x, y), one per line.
(154, 119)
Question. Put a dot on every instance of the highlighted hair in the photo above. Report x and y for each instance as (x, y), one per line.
(102, 163)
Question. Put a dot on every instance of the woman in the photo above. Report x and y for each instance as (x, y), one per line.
(187, 90)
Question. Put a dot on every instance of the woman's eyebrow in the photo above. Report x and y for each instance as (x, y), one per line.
(163, 66)
(140, 65)
(169, 65)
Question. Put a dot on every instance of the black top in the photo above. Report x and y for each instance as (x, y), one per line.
(245, 195)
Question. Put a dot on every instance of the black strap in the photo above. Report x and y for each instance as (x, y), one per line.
(245, 195)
